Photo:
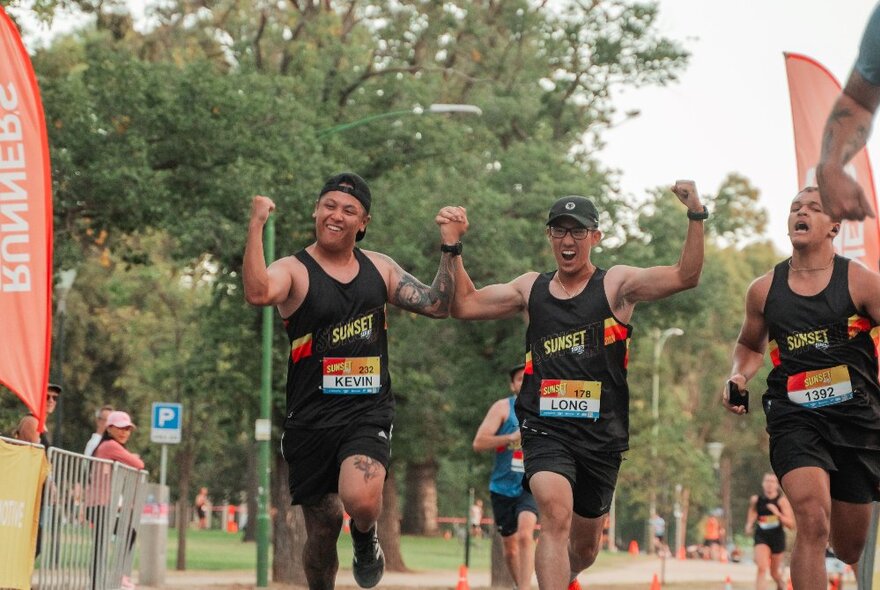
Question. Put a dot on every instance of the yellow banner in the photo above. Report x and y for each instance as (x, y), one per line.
(24, 470)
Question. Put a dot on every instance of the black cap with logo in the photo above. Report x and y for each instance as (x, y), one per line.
(354, 185)
(581, 209)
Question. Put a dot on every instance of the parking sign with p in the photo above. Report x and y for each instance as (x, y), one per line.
(166, 423)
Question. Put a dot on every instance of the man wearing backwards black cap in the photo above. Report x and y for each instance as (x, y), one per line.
(514, 508)
(573, 407)
(337, 433)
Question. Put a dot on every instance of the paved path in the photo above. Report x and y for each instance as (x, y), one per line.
(638, 571)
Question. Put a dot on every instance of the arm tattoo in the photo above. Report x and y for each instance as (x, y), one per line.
(854, 144)
(413, 295)
(368, 465)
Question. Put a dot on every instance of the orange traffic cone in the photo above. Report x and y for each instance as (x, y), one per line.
(790, 587)
(728, 585)
(681, 553)
(835, 584)
(462, 579)
(655, 583)
(633, 547)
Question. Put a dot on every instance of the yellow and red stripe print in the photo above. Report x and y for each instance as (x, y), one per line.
(774, 353)
(529, 369)
(614, 331)
(856, 324)
(301, 348)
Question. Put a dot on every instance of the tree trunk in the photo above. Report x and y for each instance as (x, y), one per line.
(501, 577)
(389, 526)
(185, 461)
(289, 531)
(250, 529)
(420, 509)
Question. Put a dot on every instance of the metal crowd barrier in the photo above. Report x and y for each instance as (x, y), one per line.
(89, 521)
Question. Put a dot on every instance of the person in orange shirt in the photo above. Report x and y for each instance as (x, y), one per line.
(712, 536)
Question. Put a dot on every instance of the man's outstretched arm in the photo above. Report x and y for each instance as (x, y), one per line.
(847, 130)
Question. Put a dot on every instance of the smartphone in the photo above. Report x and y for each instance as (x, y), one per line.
(737, 396)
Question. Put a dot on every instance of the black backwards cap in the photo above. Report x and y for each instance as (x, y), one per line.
(581, 209)
(354, 185)
(513, 370)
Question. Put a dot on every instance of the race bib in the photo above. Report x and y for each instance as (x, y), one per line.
(771, 521)
(516, 461)
(562, 398)
(825, 387)
(347, 376)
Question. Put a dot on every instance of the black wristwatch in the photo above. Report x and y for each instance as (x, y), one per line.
(704, 214)
(454, 249)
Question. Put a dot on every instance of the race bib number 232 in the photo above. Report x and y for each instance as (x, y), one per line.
(346, 376)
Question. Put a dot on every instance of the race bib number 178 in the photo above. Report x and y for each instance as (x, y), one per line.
(564, 398)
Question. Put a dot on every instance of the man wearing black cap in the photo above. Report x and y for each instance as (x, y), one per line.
(337, 431)
(573, 407)
(514, 508)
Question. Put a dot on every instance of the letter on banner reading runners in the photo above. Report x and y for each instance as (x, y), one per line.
(25, 227)
(813, 92)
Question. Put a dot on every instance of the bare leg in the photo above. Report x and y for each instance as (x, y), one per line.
(586, 538)
(762, 560)
(360, 488)
(512, 556)
(808, 490)
(776, 570)
(554, 497)
(320, 561)
(525, 537)
(849, 530)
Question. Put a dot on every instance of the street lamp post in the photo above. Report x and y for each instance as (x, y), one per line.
(660, 339)
(436, 108)
(62, 290)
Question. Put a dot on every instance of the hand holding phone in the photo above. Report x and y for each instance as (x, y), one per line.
(736, 396)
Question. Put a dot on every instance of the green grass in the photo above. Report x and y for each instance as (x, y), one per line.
(213, 550)
(217, 551)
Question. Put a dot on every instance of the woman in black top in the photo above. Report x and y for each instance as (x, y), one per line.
(771, 511)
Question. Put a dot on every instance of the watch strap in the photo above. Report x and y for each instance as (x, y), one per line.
(699, 215)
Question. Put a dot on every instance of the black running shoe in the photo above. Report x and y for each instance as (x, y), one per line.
(368, 563)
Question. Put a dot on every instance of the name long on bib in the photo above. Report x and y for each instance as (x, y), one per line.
(351, 376)
(824, 387)
(566, 398)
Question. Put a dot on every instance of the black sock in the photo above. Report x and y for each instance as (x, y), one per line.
(359, 537)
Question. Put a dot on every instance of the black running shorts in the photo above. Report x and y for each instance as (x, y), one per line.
(506, 511)
(592, 474)
(314, 456)
(854, 473)
(773, 538)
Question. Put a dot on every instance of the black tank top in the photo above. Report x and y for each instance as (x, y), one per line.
(767, 521)
(337, 371)
(574, 385)
(824, 361)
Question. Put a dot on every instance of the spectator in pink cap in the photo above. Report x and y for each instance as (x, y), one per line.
(112, 448)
